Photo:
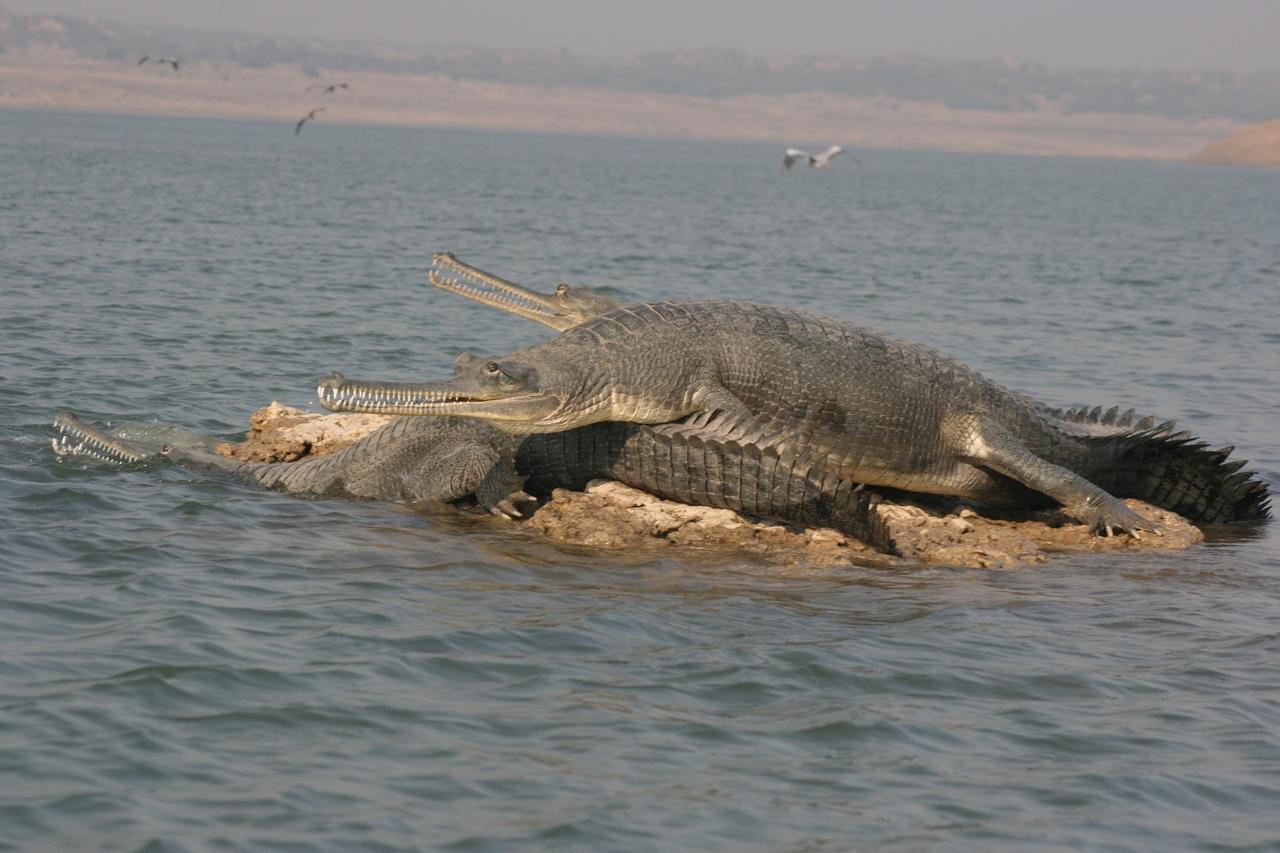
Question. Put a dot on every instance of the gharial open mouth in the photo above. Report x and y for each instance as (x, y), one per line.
(339, 394)
(77, 438)
(449, 273)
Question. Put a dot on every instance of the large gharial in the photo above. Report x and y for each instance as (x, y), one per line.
(445, 459)
(832, 397)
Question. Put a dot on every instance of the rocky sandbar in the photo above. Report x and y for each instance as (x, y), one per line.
(610, 515)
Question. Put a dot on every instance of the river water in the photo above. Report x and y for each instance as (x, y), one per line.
(188, 664)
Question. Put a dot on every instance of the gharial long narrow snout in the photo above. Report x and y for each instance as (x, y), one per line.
(566, 308)
(459, 397)
(449, 273)
(77, 438)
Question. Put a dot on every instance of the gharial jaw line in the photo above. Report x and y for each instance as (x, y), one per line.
(90, 441)
(339, 394)
(454, 276)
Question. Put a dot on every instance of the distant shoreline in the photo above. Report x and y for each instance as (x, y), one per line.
(59, 81)
(1255, 145)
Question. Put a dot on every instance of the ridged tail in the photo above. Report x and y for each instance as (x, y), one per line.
(684, 466)
(1173, 470)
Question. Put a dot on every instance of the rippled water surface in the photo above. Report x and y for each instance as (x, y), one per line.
(186, 663)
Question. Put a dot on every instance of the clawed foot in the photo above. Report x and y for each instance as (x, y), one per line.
(1110, 516)
(501, 489)
(506, 507)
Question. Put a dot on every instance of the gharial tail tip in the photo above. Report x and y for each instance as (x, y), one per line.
(1187, 476)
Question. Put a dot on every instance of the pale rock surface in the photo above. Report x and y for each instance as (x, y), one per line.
(280, 433)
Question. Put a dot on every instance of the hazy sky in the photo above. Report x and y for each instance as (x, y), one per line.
(1235, 34)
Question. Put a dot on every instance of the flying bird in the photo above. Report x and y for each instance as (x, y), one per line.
(160, 60)
(307, 118)
(820, 161)
(324, 90)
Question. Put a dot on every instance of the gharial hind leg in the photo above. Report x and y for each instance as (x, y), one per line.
(469, 468)
(982, 441)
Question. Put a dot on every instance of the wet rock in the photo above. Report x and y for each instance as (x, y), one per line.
(610, 515)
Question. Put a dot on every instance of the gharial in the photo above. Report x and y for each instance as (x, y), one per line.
(848, 401)
(445, 459)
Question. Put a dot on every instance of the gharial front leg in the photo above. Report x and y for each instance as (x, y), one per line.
(471, 468)
(721, 416)
(982, 441)
(501, 489)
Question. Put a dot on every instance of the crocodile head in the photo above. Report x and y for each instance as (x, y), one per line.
(520, 394)
(568, 306)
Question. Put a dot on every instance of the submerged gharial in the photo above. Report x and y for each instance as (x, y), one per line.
(856, 403)
(447, 459)
(410, 459)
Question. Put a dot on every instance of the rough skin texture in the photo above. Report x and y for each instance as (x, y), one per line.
(611, 515)
(444, 459)
(871, 408)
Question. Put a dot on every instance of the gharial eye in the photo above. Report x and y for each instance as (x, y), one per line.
(492, 367)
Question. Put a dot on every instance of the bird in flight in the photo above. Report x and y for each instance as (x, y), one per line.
(324, 90)
(819, 161)
(160, 60)
(307, 118)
